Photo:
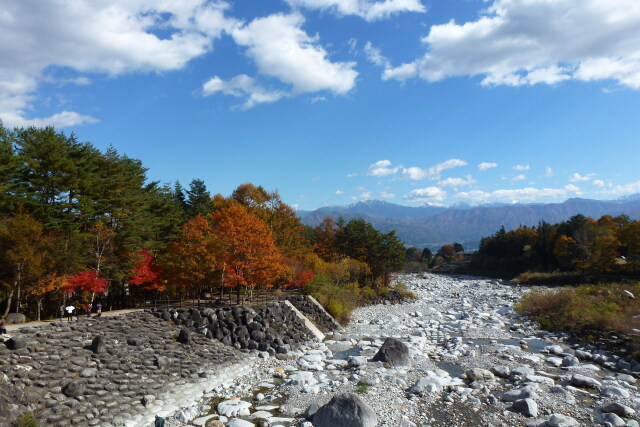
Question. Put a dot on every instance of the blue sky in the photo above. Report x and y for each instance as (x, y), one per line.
(334, 101)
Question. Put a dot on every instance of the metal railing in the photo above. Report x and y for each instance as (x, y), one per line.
(228, 300)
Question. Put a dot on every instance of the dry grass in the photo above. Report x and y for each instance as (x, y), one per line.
(551, 278)
(588, 307)
(341, 299)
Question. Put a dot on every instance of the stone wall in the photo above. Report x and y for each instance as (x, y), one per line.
(124, 370)
(314, 312)
(273, 328)
(137, 369)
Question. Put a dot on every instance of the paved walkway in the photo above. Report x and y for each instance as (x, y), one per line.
(81, 318)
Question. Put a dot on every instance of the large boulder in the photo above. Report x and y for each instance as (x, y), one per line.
(184, 336)
(99, 344)
(16, 343)
(394, 352)
(345, 410)
(73, 389)
(13, 318)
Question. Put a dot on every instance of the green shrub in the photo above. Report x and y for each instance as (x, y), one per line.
(363, 388)
(26, 420)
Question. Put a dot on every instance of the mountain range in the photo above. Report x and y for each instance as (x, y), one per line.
(433, 226)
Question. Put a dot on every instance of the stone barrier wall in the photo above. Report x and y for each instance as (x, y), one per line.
(120, 370)
(273, 328)
(314, 311)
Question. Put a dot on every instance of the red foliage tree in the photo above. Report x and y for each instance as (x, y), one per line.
(86, 281)
(146, 273)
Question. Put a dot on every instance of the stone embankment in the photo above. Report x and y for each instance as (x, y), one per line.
(125, 370)
(272, 328)
(312, 309)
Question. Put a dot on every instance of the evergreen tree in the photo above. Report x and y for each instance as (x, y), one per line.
(198, 199)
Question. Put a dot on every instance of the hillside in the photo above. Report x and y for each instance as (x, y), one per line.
(433, 226)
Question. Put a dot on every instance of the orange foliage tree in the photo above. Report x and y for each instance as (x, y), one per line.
(193, 261)
(46, 285)
(250, 257)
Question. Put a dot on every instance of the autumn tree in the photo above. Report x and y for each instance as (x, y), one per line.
(47, 285)
(146, 272)
(250, 257)
(22, 254)
(325, 240)
(194, 261)
(603, 253)
(286, 228)
(88, 282)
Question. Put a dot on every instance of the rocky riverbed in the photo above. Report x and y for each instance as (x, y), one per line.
(469, 361)
(473, 361)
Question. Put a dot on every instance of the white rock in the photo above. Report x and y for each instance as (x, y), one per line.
(234, 408)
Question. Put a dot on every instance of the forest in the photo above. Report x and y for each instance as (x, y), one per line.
(78, 224)
(605, 246)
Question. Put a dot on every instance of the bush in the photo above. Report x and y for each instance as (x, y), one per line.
(552, 278)
(26, 420)
(600, 307)
(341, 299)
(363, 388)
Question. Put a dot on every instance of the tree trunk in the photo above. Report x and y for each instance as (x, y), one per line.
(39, 308)
(6, 311)
(222, 281)
(17, 284)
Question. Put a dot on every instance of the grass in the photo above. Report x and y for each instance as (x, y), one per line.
(600, 307)
(550, 278)
(341, 299)
(362, 388)
(26, 420)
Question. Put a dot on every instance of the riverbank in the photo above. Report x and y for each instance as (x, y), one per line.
(474, 362)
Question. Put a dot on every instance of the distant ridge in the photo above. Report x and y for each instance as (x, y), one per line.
(433, 226)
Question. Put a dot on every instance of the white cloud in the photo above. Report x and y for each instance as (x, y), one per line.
(457, 182)
(37, 37)
(433, 173)
(281, 49)
(526, 42)
(576, 177)
(386, 195)
(351, 175)
(382, 168)
(366, 9)
(521, 167)
(548, 172)
(339, 192)
(427, 194)
(598, 183)
(622, 190)
(375, 56)
(520, 177)
(242, 86)
(365, 195)
(486, 166)
(520, 194)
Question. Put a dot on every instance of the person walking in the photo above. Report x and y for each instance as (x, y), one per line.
(3, 330)
(89, 311)
(69, 309)
(61, 310)
(98, 309)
